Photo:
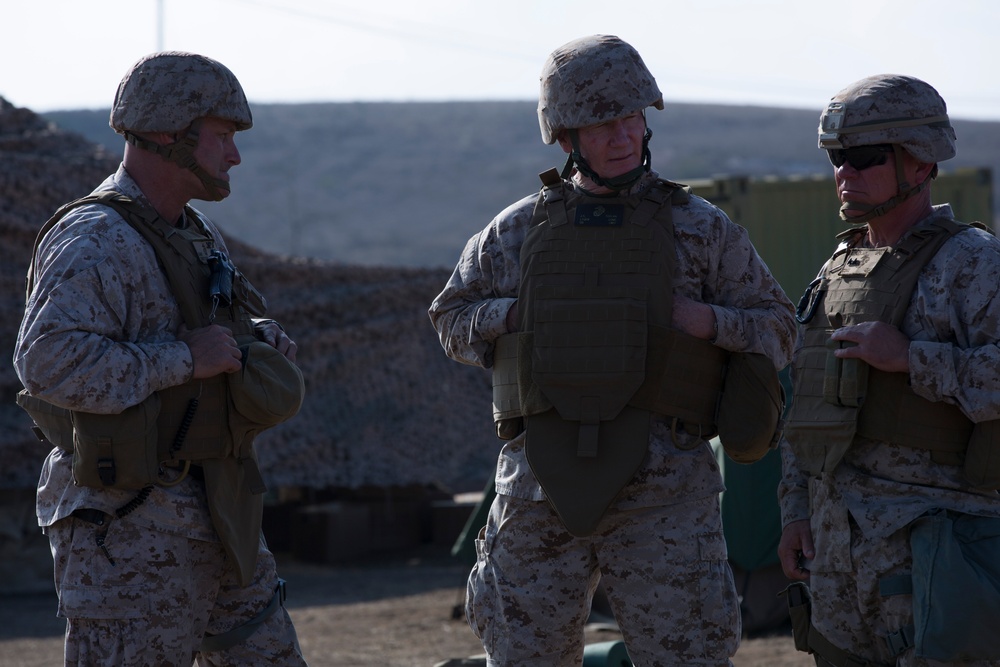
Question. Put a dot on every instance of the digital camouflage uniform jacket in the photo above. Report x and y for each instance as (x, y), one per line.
(716, 264)
(99, 335)
(953, 322)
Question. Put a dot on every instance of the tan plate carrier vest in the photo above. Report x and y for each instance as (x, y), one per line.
(193, 422)
(836, 399)
(596, 355)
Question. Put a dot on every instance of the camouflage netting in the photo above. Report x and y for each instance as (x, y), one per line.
(384, 406)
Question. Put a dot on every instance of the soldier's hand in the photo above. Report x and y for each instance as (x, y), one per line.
(272, 334)
(880, 344)
(213, 350)
(511, 321)
(694, 318)
(795, 549)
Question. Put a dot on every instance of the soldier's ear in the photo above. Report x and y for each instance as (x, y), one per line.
(564, 142)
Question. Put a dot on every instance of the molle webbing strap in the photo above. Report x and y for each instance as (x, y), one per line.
(161, 237)
(831, 655)
(555, 206)
(230, 638)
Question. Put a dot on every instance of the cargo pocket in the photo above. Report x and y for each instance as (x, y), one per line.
(480, 599)
(721, 609)
(103, 602)
(832, 543)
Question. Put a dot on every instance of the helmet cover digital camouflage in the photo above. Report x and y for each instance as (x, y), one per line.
(593, 80)
(889, 109)
(167, 91)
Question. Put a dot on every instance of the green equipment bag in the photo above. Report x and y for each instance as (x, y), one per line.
(956, 586)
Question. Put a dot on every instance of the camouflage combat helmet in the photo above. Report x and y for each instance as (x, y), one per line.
(170, 92)
(889, 109)
(593, 80)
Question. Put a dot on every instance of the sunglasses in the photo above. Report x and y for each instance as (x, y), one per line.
(860, 157)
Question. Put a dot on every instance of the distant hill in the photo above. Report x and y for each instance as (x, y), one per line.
(406, 184)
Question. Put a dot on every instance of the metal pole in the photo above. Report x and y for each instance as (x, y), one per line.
(159, 25)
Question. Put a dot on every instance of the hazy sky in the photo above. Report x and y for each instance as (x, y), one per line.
(70, 54)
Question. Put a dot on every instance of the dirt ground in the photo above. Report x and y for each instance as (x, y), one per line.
(387, 612)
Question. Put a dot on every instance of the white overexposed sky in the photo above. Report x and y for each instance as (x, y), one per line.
(70, 54)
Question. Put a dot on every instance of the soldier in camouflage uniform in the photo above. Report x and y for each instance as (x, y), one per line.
(172, 573)
(896, 393)
(658, 547)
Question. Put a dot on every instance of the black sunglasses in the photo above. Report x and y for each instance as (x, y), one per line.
(860, 157)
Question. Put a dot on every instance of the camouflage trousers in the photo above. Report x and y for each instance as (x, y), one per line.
(664, 569)
(848, 607)
(136, 596)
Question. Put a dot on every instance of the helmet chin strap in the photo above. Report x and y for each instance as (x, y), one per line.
(181, 152)
(903, 192)
(622, 182)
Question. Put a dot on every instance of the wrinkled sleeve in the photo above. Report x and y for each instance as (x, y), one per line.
(753, 312)
(470, 312)
(955, 349)
(82, 343)
(793, 487)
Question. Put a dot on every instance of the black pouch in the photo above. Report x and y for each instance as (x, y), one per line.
(800, 613)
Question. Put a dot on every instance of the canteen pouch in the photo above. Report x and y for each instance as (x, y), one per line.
(117, 451)
(982, 457)
(956, 586)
